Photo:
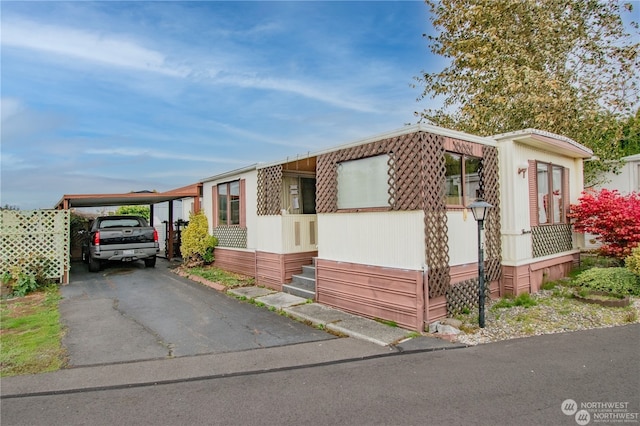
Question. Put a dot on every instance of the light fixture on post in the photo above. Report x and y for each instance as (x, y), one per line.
(480, 208)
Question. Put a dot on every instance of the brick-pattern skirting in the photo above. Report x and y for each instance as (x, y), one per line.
(372, 291)
(238, 261)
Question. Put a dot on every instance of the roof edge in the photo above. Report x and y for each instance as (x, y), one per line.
(230, 173)
(414, 128)
(542, 133)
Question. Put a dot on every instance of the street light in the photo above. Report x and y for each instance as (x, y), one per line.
(479, 209)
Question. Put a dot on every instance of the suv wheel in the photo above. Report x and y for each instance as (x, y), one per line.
(94, 264)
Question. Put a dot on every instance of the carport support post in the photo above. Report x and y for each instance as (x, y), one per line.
(196, 199)
(170, 229)
(65, 275)
(150, 214)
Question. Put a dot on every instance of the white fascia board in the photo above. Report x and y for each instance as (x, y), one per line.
(535, 132)
(231, 173)
(392, 134)
(635, 157)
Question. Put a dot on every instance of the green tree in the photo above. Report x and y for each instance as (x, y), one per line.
(143, 211)
(630, 141)
(568, 67)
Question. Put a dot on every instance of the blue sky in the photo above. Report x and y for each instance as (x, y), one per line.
(112, 97)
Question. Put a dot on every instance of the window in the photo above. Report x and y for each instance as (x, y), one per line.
(121, 223)
(462, 183)
(298, 194)
(229, 203)
(550, 193)
(364, 183)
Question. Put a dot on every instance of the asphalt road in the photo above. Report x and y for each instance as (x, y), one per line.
(129, 313)
(518, 382)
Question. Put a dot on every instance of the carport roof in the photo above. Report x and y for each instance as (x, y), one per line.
(128, 199)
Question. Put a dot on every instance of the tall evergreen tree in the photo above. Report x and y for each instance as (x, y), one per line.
(565, 66)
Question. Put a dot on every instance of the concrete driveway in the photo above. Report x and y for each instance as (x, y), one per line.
(128, 312)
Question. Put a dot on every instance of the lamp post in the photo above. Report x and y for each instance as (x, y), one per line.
(479, 209)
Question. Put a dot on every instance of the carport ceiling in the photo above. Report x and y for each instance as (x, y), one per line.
(132, 198)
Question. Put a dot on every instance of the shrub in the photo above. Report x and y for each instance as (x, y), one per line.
(143, 211)
(614, 218)
(525, 300)
(197, 245)
(27, 275)
(632, 262)
(612, 280)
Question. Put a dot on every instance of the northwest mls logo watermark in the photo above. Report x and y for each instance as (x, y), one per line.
(614, 412)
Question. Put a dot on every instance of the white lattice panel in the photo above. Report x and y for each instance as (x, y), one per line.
(35, 238)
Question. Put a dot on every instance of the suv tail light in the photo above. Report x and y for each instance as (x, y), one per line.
(96, 238)
(155, 235)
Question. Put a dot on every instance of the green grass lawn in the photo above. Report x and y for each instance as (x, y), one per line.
(217, 275)
(30, 334)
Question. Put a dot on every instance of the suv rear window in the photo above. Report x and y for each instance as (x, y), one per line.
(117, 223)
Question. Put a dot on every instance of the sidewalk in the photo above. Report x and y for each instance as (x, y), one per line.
(324, 317)
(367, 339)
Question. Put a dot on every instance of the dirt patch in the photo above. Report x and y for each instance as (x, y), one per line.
(21, 306)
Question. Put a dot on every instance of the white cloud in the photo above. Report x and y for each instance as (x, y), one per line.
(12, 162)
(20, 123)
(259, 137)
(85, 45)
(315, 92)
(119, 51)
(151, 153)
(10, 107)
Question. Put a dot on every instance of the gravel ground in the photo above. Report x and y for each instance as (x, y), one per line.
(555, 312)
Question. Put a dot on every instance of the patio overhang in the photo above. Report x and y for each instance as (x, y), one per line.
(69, 201)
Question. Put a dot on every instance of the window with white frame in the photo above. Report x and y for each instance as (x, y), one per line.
(364, 183)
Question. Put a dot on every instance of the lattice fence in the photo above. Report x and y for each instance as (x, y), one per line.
(463, 295)
(269, 190)
(231, 236)
(35, 240)
(551, 239)
(490, 191)
(433, 171)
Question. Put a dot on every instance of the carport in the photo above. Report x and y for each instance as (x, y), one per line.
(69, 201)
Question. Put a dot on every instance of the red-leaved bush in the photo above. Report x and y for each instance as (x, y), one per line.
(614, 218)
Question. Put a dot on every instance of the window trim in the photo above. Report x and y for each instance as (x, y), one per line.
(227, 186)
(551, 219)
(463, 184)
(364, 208)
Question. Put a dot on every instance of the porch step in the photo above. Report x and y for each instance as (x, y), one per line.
(304, 284)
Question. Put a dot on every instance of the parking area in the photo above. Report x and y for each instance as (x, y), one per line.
(127, 312)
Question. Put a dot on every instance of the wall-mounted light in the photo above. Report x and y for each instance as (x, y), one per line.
(522, 169)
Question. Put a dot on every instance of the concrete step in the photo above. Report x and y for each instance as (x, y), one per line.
(309, 271)
(304, 282)
(300, 291)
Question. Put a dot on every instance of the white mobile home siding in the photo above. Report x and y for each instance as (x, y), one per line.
(387, 239)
